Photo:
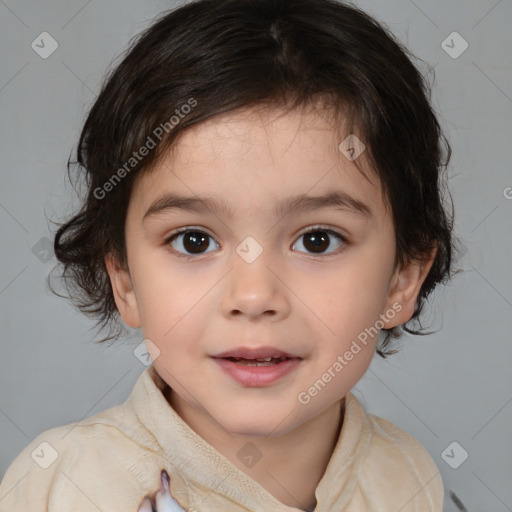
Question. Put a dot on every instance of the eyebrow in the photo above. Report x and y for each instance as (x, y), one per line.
(302, 203)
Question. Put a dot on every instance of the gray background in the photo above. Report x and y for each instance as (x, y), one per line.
(455, 385)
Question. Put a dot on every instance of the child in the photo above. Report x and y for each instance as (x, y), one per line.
(264, 203)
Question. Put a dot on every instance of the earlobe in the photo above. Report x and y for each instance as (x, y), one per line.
(405, 287)
(124, 294)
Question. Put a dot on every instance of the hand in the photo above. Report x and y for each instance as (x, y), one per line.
(162, 501)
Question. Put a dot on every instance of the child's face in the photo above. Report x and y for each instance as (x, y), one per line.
(309, 296)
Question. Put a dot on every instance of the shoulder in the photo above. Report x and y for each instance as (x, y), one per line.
(33, 477)
(78, 464)
(398, 463)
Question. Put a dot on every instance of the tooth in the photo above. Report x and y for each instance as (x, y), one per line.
(267, 361)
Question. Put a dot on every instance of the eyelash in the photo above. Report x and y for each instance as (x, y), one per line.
(313, 229)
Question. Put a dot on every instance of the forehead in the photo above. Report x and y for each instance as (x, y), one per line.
(249, 132)
(253, 156)
(308, 133)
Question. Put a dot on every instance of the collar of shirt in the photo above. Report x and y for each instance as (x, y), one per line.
(203, 479)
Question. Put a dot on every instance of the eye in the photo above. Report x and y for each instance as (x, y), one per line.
(190, 241)
(317, 240)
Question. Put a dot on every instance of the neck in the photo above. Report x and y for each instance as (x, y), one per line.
(291, 465)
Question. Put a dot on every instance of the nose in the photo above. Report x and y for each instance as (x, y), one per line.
(256, 290)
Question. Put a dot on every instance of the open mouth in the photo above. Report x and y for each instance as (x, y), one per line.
(258, 371)
(267, 361)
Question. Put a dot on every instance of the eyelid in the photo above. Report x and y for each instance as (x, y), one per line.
(322, 227)
(185, 229)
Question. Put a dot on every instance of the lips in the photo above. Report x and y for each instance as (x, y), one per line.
(261, 353)
(257, 367)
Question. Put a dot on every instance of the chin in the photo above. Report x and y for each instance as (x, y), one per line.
(258, 424)
(254, 431)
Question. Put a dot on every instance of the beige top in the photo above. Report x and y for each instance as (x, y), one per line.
(109, 461)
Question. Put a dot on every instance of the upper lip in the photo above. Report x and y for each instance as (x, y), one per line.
(255, 353)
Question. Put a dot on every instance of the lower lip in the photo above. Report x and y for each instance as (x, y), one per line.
(257, 376)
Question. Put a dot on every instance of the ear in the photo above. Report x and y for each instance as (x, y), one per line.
(124, 294)
(404, 288)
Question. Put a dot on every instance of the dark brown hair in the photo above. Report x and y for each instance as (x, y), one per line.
(223, 55)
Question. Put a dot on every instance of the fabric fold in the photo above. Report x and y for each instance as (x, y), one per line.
(111, 460)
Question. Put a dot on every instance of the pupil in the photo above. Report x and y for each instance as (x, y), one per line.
(193, 241)
(316, 240)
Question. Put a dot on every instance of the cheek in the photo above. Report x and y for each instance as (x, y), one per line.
(173, 307)
(347, 300)
(163, 295)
